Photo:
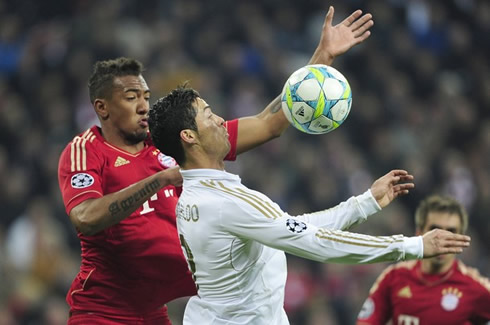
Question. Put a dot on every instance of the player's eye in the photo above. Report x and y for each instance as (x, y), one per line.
(451, 229)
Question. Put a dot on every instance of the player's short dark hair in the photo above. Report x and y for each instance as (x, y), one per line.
(101, 81)
(445, 204)
(168, 116)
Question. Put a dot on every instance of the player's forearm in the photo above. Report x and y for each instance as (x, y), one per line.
(95, 215)
(265, 126)
(346, 214)
(321, 57)
(351, 248)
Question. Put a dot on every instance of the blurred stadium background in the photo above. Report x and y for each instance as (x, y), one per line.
(421, 99)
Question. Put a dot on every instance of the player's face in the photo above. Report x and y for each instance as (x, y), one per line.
(128, 108)
(213, 135)
(446, 221)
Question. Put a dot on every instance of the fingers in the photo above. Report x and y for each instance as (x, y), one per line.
(329, 18)
(363, 23)
(439, 241)
(398, 172)
(349, 20)
(362, 38)
(403, 188)
(458, 238)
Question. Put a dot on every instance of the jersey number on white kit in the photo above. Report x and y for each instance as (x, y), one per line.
(146, 205)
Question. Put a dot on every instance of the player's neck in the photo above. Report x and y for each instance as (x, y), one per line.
(119, 142)
(203, 161)
(429, 267)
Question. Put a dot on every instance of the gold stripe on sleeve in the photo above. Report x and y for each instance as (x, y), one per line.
(323, 236)
(257, 205)
(255, 198)
(72, 155)
(361, 237)
(78, 154)
(84, 154)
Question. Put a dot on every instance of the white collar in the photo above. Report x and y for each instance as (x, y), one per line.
(205, 173)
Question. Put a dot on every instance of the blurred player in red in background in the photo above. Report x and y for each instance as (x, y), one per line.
(120, 191)
(438, 290)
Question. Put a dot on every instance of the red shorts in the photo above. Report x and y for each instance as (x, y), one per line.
(83, 318)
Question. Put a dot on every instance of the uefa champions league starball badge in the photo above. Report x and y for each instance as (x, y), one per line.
(295, 226)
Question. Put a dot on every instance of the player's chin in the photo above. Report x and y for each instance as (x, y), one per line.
(137, 136)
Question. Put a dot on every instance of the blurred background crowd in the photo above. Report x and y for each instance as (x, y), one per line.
(421, 99)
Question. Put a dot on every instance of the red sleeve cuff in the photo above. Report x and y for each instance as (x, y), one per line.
(232, 128)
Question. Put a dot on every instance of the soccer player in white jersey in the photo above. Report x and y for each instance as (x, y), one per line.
(234, 238)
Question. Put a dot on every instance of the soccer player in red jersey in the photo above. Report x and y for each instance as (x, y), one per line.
(438, 290)
(120, 191)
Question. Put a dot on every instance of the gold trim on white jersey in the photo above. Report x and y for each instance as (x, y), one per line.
(262, 206)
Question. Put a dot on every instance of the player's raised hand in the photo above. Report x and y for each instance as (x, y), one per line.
(338, 39)
(438, 241)
(388, 187)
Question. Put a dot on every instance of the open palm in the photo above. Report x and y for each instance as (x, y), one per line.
(338, 39)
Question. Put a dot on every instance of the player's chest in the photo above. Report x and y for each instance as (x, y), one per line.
(418, 304)
(122, 170)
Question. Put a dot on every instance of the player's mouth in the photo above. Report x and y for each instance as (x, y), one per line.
(143, 123)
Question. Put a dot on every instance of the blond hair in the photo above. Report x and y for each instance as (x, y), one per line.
(436, 203)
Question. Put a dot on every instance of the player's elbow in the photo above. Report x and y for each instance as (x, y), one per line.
(83, 220)
(84, 225)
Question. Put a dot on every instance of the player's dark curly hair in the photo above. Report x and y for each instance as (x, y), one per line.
(168, 116)
(101, 81)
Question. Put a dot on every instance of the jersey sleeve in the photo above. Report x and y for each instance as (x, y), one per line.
(377, 307)
(345, 215)
(79, 173)
(482, 303)
(252, 215)
(232, 128)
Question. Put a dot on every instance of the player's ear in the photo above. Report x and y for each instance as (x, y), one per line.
(188, 136)
(100, 107)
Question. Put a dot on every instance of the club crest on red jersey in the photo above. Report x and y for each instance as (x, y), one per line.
(450, 298)
(166, 161)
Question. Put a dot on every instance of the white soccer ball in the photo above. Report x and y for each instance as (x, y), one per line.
(316, 99)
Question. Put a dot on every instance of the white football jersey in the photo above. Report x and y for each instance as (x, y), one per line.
(234, 239)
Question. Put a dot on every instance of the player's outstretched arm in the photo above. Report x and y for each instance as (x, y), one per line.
(438, 242)
(334, 41)
(388, 187)
(94, 215)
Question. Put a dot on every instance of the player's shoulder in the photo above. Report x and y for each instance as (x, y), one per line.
(405, 265)
(400, 267)
(82, 148)
(84, 140)
(392, 272)
(472, 274)
(222, 192)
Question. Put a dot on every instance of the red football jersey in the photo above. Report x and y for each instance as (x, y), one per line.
(406, 296)
(137, 265)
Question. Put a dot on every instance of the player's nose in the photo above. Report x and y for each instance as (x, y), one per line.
(143, 106)
(219, 120)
